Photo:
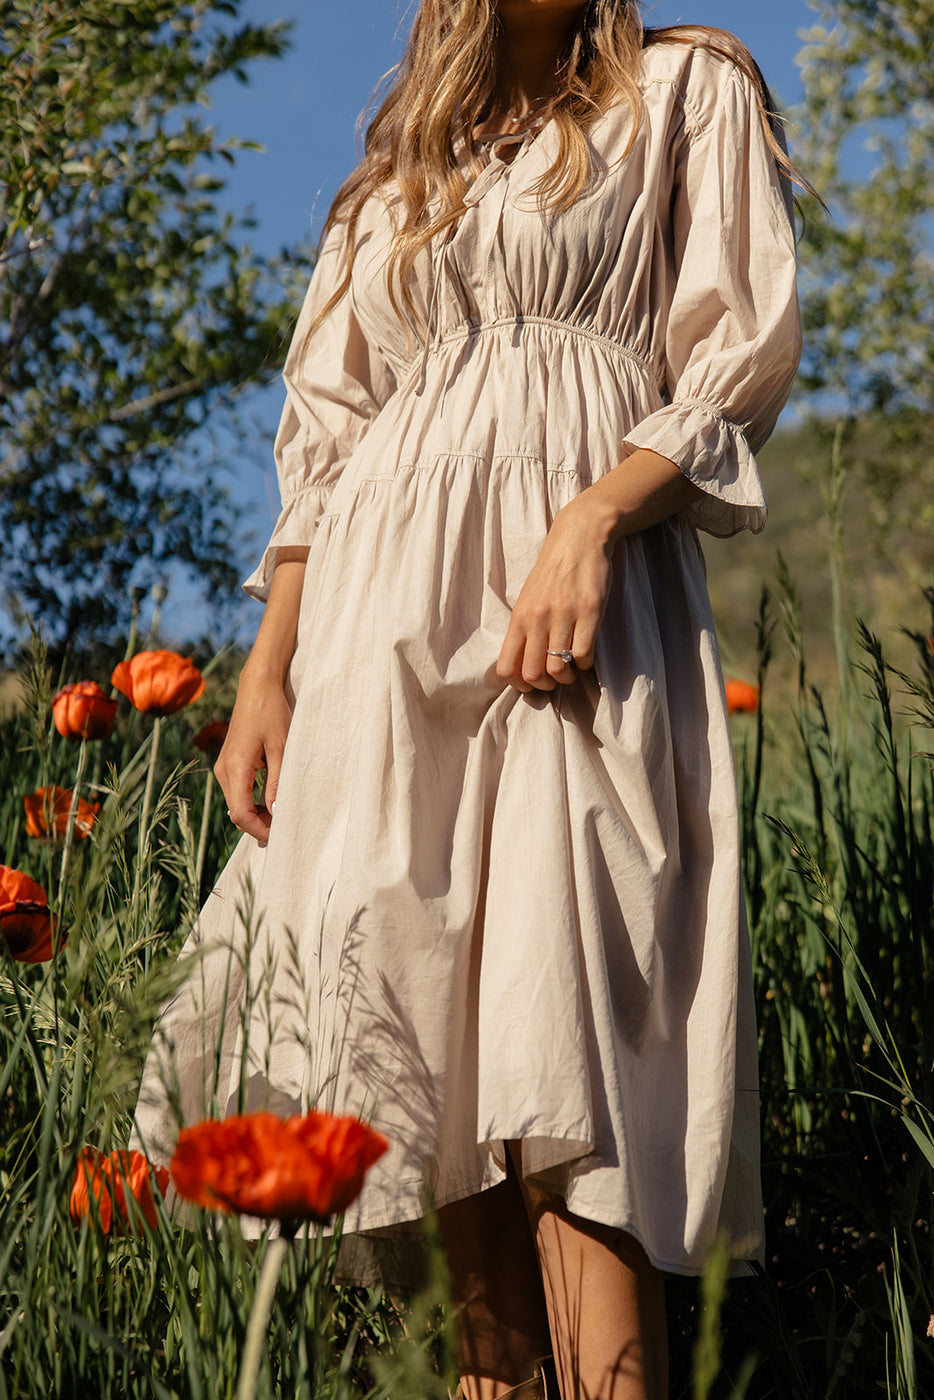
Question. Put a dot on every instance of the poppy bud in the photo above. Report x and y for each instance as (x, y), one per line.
(104, 1178)
(83, 711)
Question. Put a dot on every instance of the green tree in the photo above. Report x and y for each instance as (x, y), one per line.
(132, 313)
(867, 143)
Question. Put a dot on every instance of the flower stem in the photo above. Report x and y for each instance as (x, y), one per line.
(143, 849)
(276, 1251)
(70, 835)
(133, 636)
(203, 835)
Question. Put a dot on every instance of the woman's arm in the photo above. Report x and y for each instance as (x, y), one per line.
(732, 340)
(336, 382)
(562, 602)
(262, 713)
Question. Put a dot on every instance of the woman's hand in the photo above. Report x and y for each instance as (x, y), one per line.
(261, 717)
(255, 741)
(562, 602)
(563, 599)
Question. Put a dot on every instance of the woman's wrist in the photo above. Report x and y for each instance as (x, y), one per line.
(595, 516)
(644, 489)
(272, 652)
(266, 664)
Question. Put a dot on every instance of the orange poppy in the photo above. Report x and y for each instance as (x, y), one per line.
(302, 1168)
(741, 696)
(47, 813)
(210, 738)
(105, 1177)
(25, 918)
(83, 711)
(159, 682)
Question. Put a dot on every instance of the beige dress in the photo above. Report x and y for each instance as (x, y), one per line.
(482, 915)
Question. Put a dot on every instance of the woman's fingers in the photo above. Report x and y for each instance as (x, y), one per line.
(543, 648)
(561, 661)
(535, 658)
(561, 604)
(537, 654)
(274, 753)
(237, 776)
(585, 637)
(255, 743)
(511, 657)
(524, 661)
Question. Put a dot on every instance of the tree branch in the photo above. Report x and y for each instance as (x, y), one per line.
(166, 395)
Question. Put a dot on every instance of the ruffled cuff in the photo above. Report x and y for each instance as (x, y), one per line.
(296, 526)
(713, 453)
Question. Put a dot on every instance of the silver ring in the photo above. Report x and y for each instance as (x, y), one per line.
(567, 655)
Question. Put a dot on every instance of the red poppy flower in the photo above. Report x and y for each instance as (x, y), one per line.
(105, 1178)
(210, 738)
(25, 919)
(47, 813)
(159, 682)
(302, 1168)
(740, 696)
(83, 711)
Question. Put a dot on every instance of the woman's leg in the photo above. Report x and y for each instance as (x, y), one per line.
(495, 1282)
(606, 1306)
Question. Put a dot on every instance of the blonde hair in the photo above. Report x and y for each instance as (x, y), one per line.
(422, 136)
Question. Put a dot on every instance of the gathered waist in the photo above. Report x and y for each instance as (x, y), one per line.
(472, 330)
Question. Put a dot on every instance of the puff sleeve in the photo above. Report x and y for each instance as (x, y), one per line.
(335, 386)
(733, 334)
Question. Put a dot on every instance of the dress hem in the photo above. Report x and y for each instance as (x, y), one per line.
(741, 1263)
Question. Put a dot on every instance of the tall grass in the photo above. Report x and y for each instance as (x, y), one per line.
(141, 1313)
(838, 816)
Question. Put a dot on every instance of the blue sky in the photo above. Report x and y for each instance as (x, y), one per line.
(304, 110)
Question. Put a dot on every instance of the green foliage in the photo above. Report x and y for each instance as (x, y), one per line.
(866, 140)
(146, 1314)
(868, 146)
(133, 313)
(838, 813)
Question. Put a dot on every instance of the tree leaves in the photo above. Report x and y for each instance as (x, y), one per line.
(132, 314)
(866, 140)
(868, 145)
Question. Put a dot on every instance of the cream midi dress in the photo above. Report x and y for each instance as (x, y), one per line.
(484, 915)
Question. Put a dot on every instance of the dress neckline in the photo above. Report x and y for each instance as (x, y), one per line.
(519, 139)
(527, 129)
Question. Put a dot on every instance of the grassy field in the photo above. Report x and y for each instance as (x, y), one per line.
(838, 812)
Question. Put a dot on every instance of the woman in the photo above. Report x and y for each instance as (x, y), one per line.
(498, 907)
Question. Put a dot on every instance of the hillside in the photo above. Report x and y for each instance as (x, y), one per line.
(887, 541)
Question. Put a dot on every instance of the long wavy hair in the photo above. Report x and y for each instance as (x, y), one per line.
(421, 138)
